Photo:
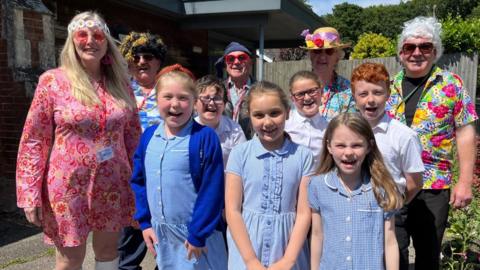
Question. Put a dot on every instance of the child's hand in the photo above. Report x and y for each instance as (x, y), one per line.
(150, 240)
(196, 251)
(281, 264)
(255, 265)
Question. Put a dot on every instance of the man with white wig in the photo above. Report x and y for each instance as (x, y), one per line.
(435, 104)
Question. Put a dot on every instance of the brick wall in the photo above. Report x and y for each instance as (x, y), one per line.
(13, 108)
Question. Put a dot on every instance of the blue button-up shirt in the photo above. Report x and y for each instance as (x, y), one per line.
(353, 224)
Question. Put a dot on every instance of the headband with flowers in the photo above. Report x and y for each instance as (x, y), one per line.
(90, 23)
(322, 38)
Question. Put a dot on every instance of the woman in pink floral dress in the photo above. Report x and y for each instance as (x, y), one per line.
(74, 160)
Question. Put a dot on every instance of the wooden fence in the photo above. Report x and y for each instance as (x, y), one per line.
(461, 64)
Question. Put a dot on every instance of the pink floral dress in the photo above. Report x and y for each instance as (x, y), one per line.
(58, 168)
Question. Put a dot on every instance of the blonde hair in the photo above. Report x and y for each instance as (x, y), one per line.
(384, 187)
(115, 74)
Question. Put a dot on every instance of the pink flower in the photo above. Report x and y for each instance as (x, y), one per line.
(444, 165)
(449, 90)
(437, 140)
(439, 111)
(426, 157)
(438, 184)
(471, 108)
(458, 108)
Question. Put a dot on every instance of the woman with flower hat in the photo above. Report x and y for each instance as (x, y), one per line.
(75, 154)
(145, 54)
(326, 49)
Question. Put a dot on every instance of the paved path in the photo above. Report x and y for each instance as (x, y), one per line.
(30, 253)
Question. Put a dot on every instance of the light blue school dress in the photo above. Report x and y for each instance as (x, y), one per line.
(353, 224)
(171, 198)
(271, 182)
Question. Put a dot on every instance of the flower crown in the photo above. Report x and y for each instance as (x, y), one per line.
(90, 23)
(322, 40)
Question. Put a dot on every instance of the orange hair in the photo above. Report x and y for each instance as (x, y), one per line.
(372, 73)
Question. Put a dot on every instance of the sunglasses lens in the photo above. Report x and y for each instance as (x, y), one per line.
(81, 35)
(330, 51)
(409, 48)
(99, 36)
(242, 58)
(230, 59)
(426, 47)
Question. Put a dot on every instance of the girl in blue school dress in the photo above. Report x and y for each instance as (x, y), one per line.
(353, 199)
(178, 181)
(266, 190)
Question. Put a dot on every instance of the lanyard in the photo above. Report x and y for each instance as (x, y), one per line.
(407, 98)
(103, 116)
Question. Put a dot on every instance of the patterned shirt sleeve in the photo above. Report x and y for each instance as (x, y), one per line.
(464, 110)
(35, 144)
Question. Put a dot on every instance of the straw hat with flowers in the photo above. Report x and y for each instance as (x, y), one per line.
(323, 38)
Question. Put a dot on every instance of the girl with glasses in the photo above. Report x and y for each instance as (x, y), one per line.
(305, 124)
(210, 106)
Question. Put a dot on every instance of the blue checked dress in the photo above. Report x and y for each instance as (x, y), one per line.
(353, 225)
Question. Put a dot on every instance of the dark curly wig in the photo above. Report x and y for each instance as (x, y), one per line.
(135, 43)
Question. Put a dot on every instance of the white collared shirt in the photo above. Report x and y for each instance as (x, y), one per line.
(307, 132)
(230, 134)
(400, 148)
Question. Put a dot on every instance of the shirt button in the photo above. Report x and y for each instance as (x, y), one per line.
(349, 258)
(267, 245)
(158, 172)
(158, 188)
(348, 239)
(347, 219)
(160, 203)
(348, 199)
(269, 222)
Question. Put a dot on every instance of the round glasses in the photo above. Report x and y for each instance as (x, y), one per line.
(425, 48)
(312, 92)
(81, 36)
(218, 100)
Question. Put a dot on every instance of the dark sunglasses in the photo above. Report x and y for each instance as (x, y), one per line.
(425, 48)
(242, 58)
(328, 51)
(147, 57)
(312, 92)
(218, 100)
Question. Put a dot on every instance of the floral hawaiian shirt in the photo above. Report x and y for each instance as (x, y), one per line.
(147, 106)
(443, 107)
(337, 98)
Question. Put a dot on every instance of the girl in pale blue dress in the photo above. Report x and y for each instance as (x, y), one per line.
(178, 181)
(266, 190)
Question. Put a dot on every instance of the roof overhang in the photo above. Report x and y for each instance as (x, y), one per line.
(282, 20)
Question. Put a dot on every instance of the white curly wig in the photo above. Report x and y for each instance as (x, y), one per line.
(425, 27)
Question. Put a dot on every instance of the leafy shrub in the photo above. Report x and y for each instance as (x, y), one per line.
(371, 45)
(461, 35)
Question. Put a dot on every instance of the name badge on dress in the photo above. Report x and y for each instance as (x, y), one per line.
(104, 154)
